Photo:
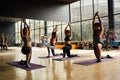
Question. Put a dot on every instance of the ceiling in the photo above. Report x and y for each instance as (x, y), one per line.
(66, 1)
(10, 19)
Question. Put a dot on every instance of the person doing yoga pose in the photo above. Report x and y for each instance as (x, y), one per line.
(27, 47)
(98, 30)
(68, 46)
(52, 42)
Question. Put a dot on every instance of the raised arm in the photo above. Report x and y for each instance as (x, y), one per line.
(55, 29)
(100, 22)
(70, 30)
(28, 27)
(21, 31)
(66, 28)
(94, 19)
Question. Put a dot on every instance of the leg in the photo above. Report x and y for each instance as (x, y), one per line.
(2, 47)
(98, 52)
(48, 51)
(5, 47)
(68, 53)
(53, 51)
(64, 51)
(28, 57)
(68, 48)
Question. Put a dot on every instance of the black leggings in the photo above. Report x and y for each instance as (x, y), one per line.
(66, 50)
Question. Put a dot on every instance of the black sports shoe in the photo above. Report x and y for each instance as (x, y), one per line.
(98, 61)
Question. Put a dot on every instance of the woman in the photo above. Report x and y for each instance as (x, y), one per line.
(52, 42)
(98, 30)
(68, 46)
(27, 47)
(2, 41)
(6, 43)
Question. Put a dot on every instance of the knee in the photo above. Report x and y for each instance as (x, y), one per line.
(64, 48)
(99, 46)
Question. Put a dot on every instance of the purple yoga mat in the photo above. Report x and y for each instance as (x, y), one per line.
(33, 66)
(45, 57)
(61, 59)
(92, 61)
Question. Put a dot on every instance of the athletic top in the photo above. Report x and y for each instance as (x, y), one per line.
(96, 36)
(67, 38)
(52, 41)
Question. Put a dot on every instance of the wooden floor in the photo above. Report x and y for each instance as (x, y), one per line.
(59, 70)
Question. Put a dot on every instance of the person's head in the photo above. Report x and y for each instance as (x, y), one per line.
(53, 34)
(67, 32)
(25, 31)
(97, 26)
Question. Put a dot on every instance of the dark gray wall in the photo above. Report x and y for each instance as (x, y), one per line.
(42, 10)
(8, 28)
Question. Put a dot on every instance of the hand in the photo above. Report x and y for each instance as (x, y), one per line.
(96, 13)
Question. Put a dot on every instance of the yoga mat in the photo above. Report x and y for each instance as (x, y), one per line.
(92, 61)
(33, 66)
(61, 59)
(45, 57)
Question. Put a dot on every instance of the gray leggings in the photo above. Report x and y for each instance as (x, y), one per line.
(52, 50)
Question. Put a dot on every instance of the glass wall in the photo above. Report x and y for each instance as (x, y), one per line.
(117, 19)
(101, 6)
(38, 31)
(76, 35)
(116, 6)
(82, 18)
(17, 34)
(75, 11)
(86, 9)
(81, 12)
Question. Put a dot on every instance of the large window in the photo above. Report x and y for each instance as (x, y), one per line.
(75, 11)
(82, 13)
(117, 27)
(101, 6)
(86, 9)
(117, 19)
(116, 6)
(87, 30)
(76, 32)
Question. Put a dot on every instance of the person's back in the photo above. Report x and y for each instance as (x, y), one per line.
(96, 34)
